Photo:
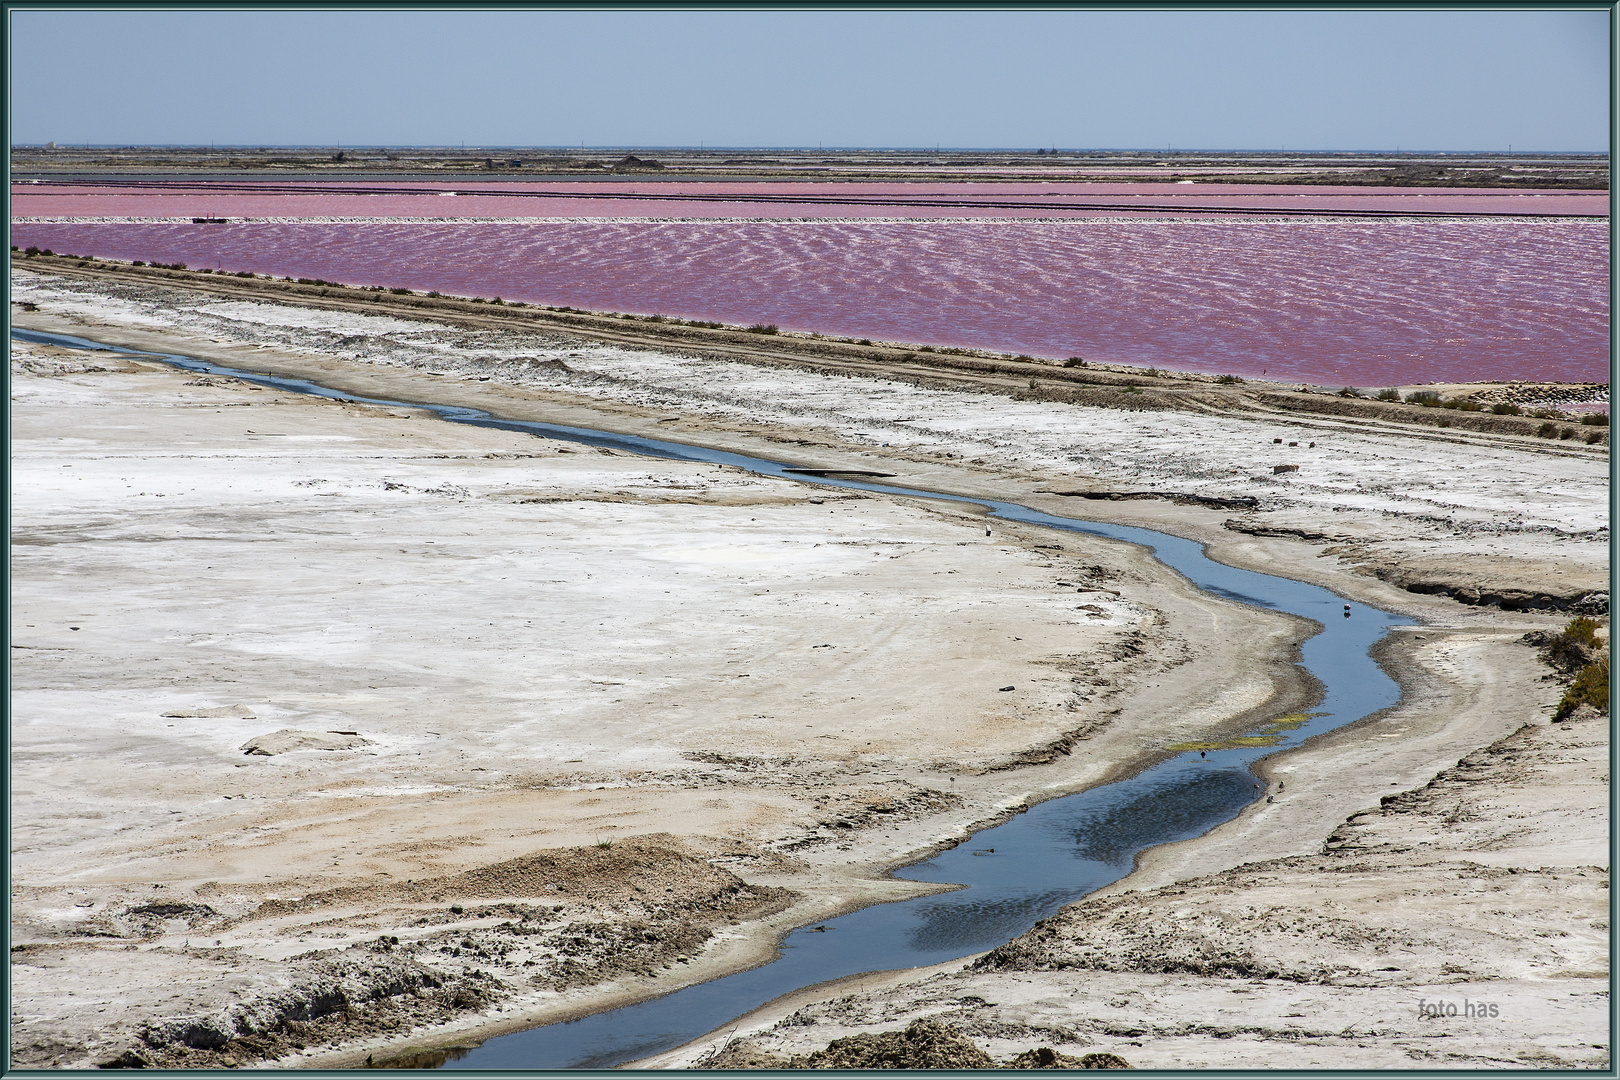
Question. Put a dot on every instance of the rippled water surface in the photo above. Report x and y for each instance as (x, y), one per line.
(652, 199)
(1361, 302)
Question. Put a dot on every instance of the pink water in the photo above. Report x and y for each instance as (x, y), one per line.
(1350, 301)
(453, 199)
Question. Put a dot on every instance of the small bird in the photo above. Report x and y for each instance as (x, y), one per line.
(1200, 753)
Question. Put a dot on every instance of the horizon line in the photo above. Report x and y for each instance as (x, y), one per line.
(704, 148)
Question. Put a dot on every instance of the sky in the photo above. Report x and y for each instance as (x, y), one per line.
(1536, 79)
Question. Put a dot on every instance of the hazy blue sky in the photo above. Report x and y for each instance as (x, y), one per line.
(1442, 80)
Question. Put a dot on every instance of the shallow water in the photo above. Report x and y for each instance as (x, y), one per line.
(1012, 874)
(1359, 302)
(321, 197)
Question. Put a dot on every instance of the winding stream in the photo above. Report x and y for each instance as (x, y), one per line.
(1012, 874)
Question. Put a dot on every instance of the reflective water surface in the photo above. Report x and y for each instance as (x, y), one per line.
(1369, 303)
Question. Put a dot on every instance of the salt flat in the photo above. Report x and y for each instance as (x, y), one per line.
(529, 646)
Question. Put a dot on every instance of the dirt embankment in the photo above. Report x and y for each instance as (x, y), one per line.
(433, 950)
(1070, 167)
(1024, 378)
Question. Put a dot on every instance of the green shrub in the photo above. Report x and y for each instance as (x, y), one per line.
(1596, 419)
(1389, 395)
(1547, 414)
(1547, 430)
(1591, 687)
(1132, 388)
(137, 262)
(1566, 433)
(1426, 398)
(1594, 437)
(1074, 361)
(864, 341)
(1581, 631)
(1153, 373)
(763, 328)
(1350, 391)
(1506, 408)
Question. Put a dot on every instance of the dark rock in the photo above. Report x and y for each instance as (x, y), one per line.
(1104, 1061)
(129, 1059)
(1044, 1057)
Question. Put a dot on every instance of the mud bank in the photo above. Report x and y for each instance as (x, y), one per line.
(1459, 924)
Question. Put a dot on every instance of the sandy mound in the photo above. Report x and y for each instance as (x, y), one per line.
(241, 712)
(926, 1044)
(289, 739)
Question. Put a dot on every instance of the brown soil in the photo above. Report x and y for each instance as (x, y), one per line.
(924, 1044)
(450, 946)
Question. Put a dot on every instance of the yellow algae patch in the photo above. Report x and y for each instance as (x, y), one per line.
(1271, 734)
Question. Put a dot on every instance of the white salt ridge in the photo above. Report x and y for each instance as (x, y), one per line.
(1516, 499)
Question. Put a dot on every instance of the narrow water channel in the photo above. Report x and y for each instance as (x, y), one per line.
(1011, 875)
